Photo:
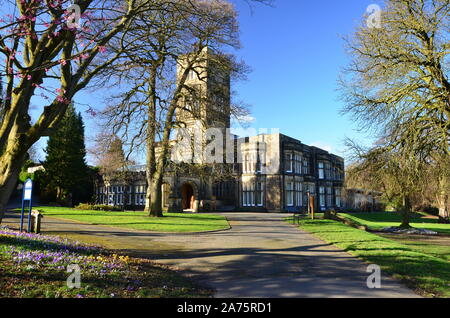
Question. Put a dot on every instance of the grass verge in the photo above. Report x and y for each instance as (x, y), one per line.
(435, 246)
(428, 275)
(380, 220)
(36, 266)
(171, 222)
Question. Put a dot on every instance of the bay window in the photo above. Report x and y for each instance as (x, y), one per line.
(290, 194)
(321, 170)
(322, 196)
(299, 194)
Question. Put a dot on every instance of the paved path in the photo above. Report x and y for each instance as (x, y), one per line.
(261, 256)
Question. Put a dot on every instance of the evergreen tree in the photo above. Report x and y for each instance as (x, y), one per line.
(66, 172)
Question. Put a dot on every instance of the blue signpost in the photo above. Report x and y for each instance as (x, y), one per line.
(27, 193)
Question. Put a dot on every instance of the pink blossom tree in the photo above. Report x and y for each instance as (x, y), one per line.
(51, 49)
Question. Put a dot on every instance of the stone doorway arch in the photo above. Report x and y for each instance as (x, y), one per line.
(189, 196)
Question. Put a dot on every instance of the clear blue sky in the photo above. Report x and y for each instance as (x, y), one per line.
(296, 51)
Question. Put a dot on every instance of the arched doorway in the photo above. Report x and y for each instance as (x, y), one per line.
(187, 196)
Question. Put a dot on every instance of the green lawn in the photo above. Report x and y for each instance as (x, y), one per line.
(422, 271)
(171, 222)
(380, 220)
(438, 247)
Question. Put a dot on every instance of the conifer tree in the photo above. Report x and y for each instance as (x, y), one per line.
(66, 172)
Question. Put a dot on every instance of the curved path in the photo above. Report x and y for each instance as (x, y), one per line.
(260, 256)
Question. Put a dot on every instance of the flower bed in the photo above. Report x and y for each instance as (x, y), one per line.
(35, 265)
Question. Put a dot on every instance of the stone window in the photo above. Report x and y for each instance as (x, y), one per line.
(329, 196)
(192, 105)
(299, 194)
(258, 163)
(140, 195)
(290, 194)
(305, 166)
(247, 164)
(322, 196)
(328, 171)
(192, 75)
(259, 194)
(298, 163)
(110, 199)
(321, 170)
(339, 175)
(338, 194)
(289, 162)
(248, 194)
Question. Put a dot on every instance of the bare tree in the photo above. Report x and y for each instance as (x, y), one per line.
(398, 82)
(33, 154)
(163, 48)
(109, 153)
(398, 176)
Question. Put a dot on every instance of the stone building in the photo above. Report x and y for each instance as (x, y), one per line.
(363, 200)
(269, 172)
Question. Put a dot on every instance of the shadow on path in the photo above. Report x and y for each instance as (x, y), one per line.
(261, 256)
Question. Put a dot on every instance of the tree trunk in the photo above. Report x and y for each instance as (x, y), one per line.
(12, 161)
(58, 197)
(443, 200)
(406, 213)
(155, 187)
(155, 184)
(152, 197)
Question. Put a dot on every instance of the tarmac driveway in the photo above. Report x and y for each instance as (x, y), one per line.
(260, 256)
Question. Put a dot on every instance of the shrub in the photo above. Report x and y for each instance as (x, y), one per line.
(97, 207)
(430, 210)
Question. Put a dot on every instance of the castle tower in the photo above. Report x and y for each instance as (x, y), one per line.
(206, 103)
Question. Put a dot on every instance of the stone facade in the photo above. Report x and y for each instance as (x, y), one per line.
(282, 182)
(258, 183)
(267, 172)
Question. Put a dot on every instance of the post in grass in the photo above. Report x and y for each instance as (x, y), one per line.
(27, 196)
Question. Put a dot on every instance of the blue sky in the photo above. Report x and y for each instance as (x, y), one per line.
(295, 50)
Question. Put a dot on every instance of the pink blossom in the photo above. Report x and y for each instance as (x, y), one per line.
(62, 99)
